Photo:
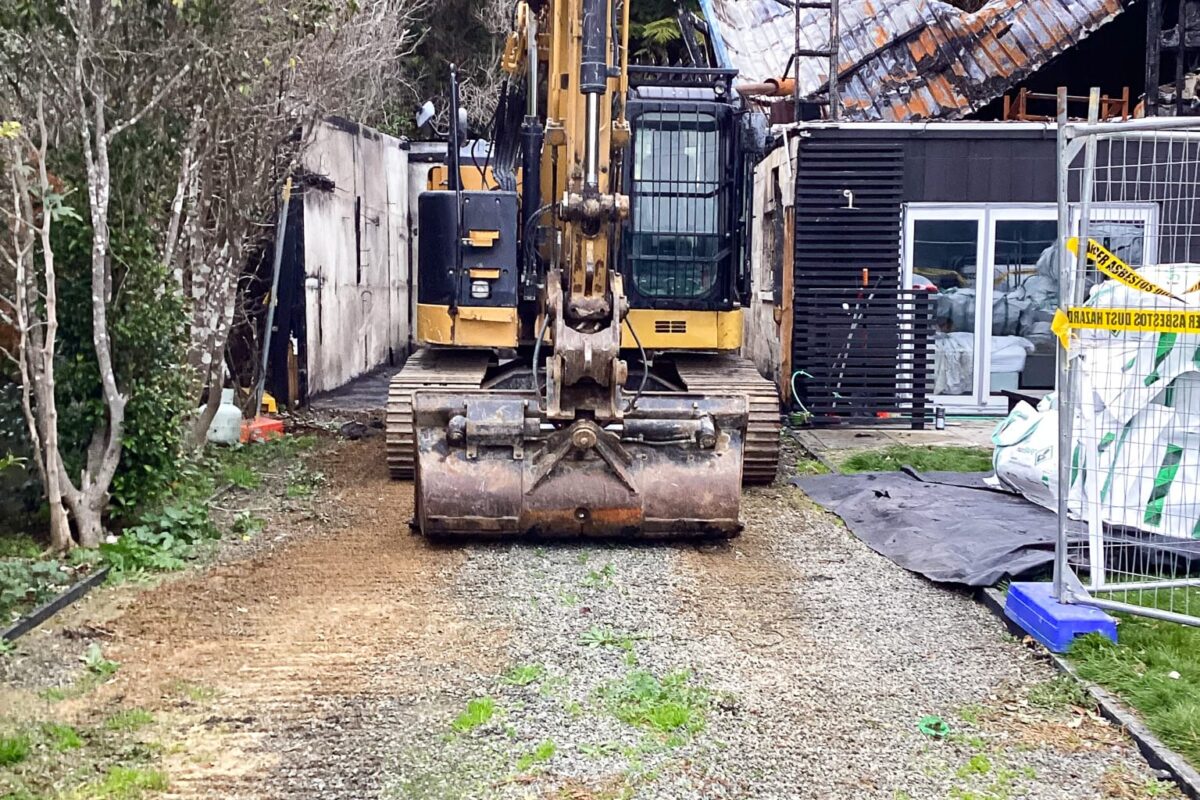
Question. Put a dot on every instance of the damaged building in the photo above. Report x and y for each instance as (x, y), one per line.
(897, 263)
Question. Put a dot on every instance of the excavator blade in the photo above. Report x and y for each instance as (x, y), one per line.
(489, 463)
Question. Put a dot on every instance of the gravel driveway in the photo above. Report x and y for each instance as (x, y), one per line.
(809, 661)
(793, 662)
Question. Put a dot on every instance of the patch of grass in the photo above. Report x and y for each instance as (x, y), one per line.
(667, 705)
(524, 674)
(978, 764)
(61, 737)
(807, 465)
(14, 749)
(569, 599)
(596, 636)
(55, 694)
(602, 750)
(302, 482)
(972, 713)
(193, 691)
(242, 476)
(1139, 670)
(600, 578)
(128, 720)
(1058, 693)
(539, 755)
(479, 711)
(123, 783)
(925, 458)
(97, 664)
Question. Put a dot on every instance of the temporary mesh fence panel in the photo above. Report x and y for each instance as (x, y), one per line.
(1129, 409)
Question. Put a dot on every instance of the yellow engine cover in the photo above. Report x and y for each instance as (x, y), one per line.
(684, 330)
(472, 326)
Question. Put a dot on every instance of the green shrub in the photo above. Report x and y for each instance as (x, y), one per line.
(163, 541)
(25, 583)
(148, 338)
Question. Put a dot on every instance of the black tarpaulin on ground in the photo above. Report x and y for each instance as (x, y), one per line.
(947, 526)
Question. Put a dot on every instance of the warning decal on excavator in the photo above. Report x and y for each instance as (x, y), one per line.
(1107, 262)
(1124, 319)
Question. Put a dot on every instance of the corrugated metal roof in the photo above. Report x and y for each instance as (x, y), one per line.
(903, 60)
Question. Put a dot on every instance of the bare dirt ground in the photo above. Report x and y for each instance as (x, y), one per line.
(358, 661)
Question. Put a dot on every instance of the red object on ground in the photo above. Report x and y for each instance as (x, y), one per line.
(261, 429)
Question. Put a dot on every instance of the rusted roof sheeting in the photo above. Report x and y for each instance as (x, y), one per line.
(904, 60)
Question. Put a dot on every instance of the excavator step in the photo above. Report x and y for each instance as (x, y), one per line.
(425, 369)
(723, 374)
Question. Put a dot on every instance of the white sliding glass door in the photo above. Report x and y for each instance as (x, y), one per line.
(944, 250)
(995, 298)
(997, 289)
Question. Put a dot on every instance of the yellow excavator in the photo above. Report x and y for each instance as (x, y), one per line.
(580, 306)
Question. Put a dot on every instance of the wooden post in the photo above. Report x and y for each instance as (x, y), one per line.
(1153, 54)
(786, 317)
(1180, 56)
(293, 377)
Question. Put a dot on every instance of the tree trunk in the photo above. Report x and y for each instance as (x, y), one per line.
(60, 527)
(38, 328)
(87, 502)
(199, 430)
(87, 509)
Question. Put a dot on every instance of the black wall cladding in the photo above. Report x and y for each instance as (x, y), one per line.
(859, 338)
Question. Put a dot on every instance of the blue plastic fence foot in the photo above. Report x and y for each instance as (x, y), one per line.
(1052, 623)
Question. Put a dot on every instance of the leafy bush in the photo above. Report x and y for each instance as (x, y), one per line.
(147, 326)
(163, 541)
(25, 583)
(20, 489)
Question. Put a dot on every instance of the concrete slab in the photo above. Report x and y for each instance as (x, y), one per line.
(365, 393)
(836, 443)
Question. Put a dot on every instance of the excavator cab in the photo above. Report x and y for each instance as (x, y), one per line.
(686, 178)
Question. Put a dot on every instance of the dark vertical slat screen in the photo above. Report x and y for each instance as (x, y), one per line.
(860, 341)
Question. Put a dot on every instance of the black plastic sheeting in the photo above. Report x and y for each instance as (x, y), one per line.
(947, 526)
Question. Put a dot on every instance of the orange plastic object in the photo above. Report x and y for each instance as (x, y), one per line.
(261, 429)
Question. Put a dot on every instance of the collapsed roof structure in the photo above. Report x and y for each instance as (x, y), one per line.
(904, 60)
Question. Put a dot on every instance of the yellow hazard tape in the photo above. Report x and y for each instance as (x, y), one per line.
(1107, 262)
(1123, 319)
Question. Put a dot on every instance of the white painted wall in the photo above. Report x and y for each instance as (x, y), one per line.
(356, 292)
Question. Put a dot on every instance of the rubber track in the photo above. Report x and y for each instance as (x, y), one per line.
(425, 369)
(728, 374)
